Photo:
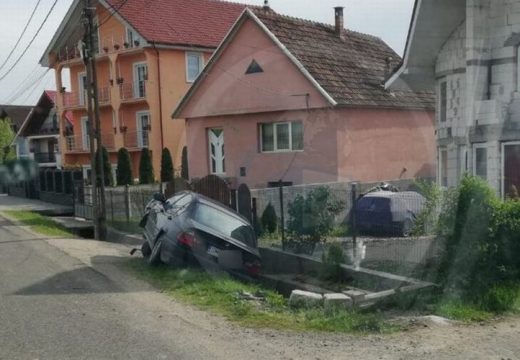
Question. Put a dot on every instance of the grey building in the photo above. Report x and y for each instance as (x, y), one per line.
(468, 51)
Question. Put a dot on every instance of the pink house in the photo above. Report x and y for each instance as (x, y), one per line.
(303, 102)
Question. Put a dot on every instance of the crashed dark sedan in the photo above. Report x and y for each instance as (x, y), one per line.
(191, 229)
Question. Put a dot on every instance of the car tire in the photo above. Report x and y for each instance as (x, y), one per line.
(407, 228)
(146, 250)
(155, 254)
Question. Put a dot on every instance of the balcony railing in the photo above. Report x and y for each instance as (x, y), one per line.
(104, 96)
(41, 158)
(79, 143)
(74, 100)
(133, 91)
(136, 140)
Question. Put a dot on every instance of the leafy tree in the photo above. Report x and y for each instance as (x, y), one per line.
(184, 169)
(124, 168)
(107, 167)
(145, 167)
(269, 220)
(6, 137)
(166, 166)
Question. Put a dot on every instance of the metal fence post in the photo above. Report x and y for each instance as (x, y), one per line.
(127, 203)
(282, 216)
(353, 212)
(112, 204)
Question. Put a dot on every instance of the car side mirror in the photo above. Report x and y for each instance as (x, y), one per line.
(159, 197)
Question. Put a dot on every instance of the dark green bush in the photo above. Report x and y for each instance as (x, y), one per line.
(166, 166)
(269, 219)
(145, 168)
(500, 298)
(332, 259)
(107, 167)
(313, 216)
(124, 168)
(184, 166)
(427, 219)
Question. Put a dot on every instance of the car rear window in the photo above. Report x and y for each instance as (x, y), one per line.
(225, 224)
(374, 203)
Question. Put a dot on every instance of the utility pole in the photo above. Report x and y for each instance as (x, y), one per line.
(97, 179)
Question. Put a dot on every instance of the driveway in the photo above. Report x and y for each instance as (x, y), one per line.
(73, 299)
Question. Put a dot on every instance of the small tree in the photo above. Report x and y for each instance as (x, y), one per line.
(124, 168)
(184, 169)
(145, 168)
(269, 219)
(166, 166)
(6, 138)
(107, 167)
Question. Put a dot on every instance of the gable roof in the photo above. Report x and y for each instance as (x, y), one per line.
(348, 70)
(201, 23)
(16, 113)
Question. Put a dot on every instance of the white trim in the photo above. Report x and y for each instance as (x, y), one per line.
(85, 145)
(81, 88)
(187, 55)
(135, 78)
(36, 137)
(139, 128)
(406, 56)
(208, 134)
(474, 151)
(440, 150)
(275, 137)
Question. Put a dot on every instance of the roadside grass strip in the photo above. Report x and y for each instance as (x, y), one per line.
(224, 296)
(39, 223)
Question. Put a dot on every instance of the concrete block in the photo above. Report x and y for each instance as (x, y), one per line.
(356, 295)
(305, 299)
(334, 302)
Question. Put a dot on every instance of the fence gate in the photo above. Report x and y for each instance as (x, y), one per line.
(244, 202)
(82, 201)
(213, 187)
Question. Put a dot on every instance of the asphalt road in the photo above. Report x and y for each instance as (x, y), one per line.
(54, 306)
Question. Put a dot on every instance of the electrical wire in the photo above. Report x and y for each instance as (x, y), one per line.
(26, 83)
(32, 88)
(31, 42)
(21, 36)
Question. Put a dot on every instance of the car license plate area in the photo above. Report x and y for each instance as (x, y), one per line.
(213, 251)
(230, 259)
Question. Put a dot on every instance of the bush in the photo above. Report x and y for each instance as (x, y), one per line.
(145, 168)
(184, 168)
(427, 219)
(107, 167)
(124, 168)
(166, 166)
(332, 260)
(313, 217)
(269, 220)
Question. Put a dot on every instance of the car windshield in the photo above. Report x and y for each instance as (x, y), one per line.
(224, 223)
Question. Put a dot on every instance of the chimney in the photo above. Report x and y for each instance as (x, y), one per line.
(340, 25)
(266, 5)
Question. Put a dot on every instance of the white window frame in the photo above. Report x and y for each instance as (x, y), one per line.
(480, 146)
(85, 139)
(139, 132)
(440, 166)
(136, 80)
(503, 164)
(463, 158)
(135, 36)
(275, 135)
(209, 152)
(200, 55)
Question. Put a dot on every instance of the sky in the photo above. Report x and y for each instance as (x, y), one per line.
(387, 19)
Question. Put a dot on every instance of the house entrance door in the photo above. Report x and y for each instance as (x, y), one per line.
(511, 170)
(217, 160)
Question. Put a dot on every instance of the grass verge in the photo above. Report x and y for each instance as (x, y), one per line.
(221, 294)
(39, 223)
(129, 227)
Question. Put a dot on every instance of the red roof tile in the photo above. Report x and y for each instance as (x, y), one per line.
(51, 94)
(202, 23)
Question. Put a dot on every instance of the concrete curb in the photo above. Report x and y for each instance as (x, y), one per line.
(119, 237)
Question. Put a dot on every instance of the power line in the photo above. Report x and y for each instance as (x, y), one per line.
(21, 35)
(112, 13)
(30, 43)
(32, 87)
(26, 83)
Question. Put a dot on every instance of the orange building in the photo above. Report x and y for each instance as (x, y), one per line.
(147, 55)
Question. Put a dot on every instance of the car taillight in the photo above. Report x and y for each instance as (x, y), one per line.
(187, 239)
(253, 267)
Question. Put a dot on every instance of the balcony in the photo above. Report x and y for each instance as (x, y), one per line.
(133, 92)
(136, 140)
(44, 158)
(75, 100)
(81, 144)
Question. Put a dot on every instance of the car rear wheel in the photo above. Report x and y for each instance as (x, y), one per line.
(155, 255)
(407, 228)
(145, 249)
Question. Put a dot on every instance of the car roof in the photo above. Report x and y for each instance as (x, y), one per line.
(394, 195)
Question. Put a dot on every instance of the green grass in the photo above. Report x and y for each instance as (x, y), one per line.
(458, 310)
(39, 223)
(220, 294)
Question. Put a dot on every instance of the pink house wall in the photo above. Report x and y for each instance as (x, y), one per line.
(339, 145)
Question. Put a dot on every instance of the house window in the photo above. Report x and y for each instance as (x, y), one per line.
(443, 167)
(143, 129)
(444, 101)
(194, 65)
(132, 38)
(283, 136)
(480, 166)
(463, 161)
